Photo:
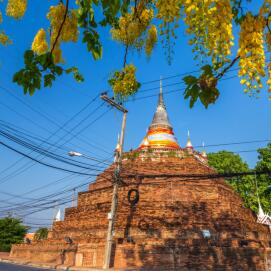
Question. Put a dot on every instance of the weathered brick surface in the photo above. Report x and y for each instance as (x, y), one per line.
(47, 252)
(164, 230)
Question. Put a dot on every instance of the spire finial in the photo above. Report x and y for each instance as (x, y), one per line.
(189, 143)
(161, 100)
(160, 133)
(204, 154)
(161, 85)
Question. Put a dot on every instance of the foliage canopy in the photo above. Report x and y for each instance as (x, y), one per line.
(140, 24)
(41, 234)
(248, 187)
(12, 231)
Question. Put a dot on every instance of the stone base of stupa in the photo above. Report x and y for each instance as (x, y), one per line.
(178, 223)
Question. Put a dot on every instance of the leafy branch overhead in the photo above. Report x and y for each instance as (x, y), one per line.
(41, 70)
(203, 88)
(138, 25)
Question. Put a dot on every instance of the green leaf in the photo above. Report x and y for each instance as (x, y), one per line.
(207, 69)
(71, 70)
(28, 57)
(44, 59)
(110, 11)
(209, 96)
(57, 69)
(189, 80)
(192, 92)
(48, 79)
(91, 38)
(78, 77)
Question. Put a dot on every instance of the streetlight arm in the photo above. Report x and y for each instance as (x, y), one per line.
(73, 153)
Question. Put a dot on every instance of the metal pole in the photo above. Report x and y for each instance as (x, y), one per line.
(73, 198)
(116, 181)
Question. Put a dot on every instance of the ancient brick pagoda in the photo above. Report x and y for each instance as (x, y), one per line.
(172, 215)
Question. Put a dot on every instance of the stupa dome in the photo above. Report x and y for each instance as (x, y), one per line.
(160, 134)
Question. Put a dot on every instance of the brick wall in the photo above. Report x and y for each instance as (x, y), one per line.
(165, 229)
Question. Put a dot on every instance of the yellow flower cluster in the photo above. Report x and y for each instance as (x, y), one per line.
(57, 55)
(4, 39)
(265, 11)
(151, 40)
(124, 83)
(39, 44)
(220, 37)
(132, 26)
(268, 42)
(169, 11)
(251, 53)
(16, 8)
(69, 30)
(265, 8)
(210, 24)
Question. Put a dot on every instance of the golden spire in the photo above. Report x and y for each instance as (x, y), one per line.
(160, 133)
(203, 154)
(160, 117)
(189, 143)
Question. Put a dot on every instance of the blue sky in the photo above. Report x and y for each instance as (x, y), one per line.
(234, 118)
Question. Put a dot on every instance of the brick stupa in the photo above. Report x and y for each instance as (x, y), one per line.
(170, 215)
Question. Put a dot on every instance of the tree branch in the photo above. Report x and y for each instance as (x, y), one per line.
(61, 26)
(221, 74)
(267, 22)
(125, 55)
(136, 15)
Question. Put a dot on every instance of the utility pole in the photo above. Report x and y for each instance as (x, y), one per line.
(73, 198)
(116, 182)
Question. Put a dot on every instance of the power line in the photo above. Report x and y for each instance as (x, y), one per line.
(31, 204)
(183, 177)
(60, 127)
(23, 168)
(25, 136)
(169, 91)
(188, 73)
(50, 207)
(41, 127)
(170, 77)
(69, 176)
(175, 83)
(234, 143)
(45, 164)
(198, 176)
(46, 153)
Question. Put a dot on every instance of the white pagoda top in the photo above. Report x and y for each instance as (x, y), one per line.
(263, 218)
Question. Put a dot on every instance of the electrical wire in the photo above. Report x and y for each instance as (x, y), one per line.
(45, 200)
(183, 177)
(47, 153)
(42, 163)
(25, 167)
